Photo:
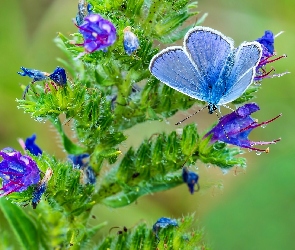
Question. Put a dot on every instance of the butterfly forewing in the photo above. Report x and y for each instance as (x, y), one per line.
(173, 67)
(208, 49)
(241, 75)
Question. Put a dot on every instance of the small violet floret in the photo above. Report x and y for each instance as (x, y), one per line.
(235, 127)
(163, 222)
(41, 188)
(17, 171)
(191, 179)
(130, 42)
(268, 52)
(98, 33)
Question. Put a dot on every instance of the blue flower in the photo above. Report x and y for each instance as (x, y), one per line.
(268, 52)
(191, 179)
(267, 43)
(130, 42)
(59, 76)
(41, 188)
(235, 127)
(17, 171)
(32, 146)
(81, 162)
(37, 75)
(84, 10)
(98, 33)
(163, 222)
(89, 176)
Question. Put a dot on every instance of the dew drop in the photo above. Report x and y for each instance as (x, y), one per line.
(249, 149)
(257, 83)
(263, 126)
(258, 152)
(224, 171)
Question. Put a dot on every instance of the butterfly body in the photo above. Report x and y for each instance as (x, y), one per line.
(208, 67)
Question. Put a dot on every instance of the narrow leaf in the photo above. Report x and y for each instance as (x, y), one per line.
(21, 224)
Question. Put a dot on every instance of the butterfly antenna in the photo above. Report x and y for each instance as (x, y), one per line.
(222, 126)
(190, 116)
(228, 108)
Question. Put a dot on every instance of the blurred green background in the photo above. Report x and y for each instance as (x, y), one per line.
(255, 208)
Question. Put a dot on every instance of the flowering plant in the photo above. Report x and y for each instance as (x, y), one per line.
(106, 88)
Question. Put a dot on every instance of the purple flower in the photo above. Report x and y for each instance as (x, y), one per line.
(98, 33)
(32, 146)
(235, 127)
(191, 179)
(268, 52)
(130, 42)
(17, 171)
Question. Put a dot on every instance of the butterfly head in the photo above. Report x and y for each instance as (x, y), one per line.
(212, 107)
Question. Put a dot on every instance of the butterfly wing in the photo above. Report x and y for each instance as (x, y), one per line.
(208, 49)
(241, 74)
(173, 67)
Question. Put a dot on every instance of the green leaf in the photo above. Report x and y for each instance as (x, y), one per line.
(21, 224)
(156, 185)
(69, 146)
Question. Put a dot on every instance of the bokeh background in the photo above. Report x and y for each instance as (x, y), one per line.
(252, 209)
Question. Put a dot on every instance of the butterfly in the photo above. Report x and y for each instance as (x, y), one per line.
(208, 67)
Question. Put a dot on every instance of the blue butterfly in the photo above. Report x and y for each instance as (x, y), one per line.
(208, 67)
